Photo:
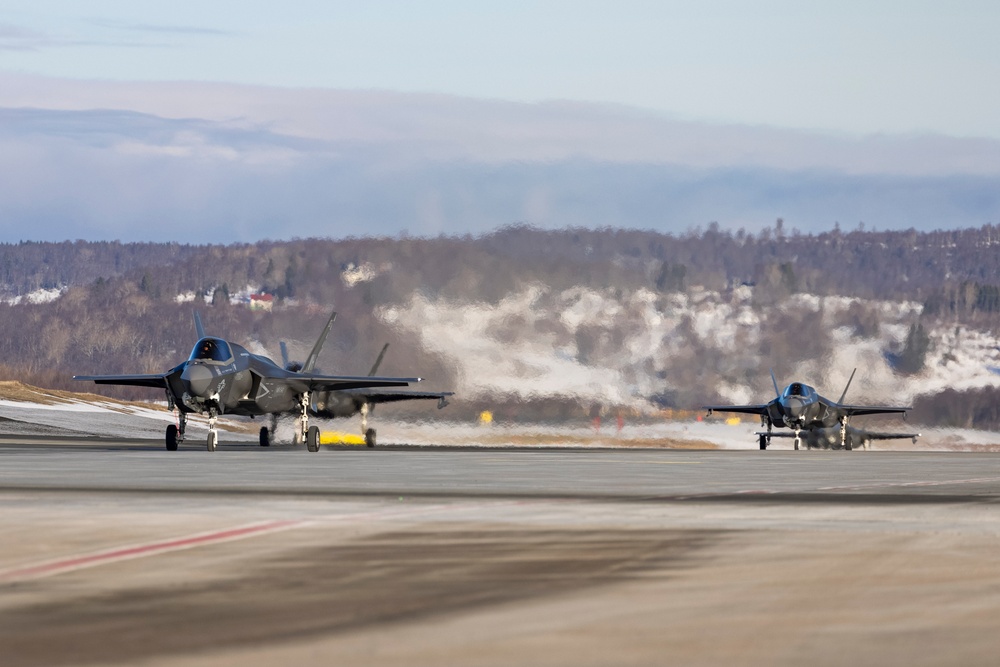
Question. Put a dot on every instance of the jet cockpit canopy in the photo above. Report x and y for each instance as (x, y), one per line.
(798, 390)
(211, 349)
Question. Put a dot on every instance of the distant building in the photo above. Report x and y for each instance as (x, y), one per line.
(264, 302)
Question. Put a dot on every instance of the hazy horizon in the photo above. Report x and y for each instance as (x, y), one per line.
(235, 123)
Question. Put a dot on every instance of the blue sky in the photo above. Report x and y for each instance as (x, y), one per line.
(149, 121)
(851, 66)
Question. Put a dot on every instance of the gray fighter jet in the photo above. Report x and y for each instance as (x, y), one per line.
(350, 402)
(820, 421)
(221, 377)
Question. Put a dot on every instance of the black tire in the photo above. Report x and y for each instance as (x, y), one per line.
(370, 437)
(213, 441)
(312, 439)
(265, 437)
(172, 438)
(763, 442)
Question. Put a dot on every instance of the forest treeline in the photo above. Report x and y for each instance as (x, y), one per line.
(954, 271)
(120, 313)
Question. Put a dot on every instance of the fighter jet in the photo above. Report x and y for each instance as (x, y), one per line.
(220, 377)
(823, 422)
(350, 402)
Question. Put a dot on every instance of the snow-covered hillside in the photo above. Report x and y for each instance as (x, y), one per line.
(623, 348)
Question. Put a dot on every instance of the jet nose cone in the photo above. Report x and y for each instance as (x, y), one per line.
(197, 379)
(794, 408)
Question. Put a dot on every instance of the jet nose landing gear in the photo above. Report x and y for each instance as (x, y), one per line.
(213, 433)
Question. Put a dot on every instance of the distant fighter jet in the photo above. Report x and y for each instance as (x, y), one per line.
(350, 402)
(224, 378)
(822, 422)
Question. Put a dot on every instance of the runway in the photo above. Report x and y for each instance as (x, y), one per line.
(116, 552)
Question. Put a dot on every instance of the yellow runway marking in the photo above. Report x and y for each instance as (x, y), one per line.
(339, 438)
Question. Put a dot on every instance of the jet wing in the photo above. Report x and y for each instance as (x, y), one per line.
(867, 435)
(873, 435)
(311, 382)
(854, 410)
(375, 396)
(130, 380)
(743, 409)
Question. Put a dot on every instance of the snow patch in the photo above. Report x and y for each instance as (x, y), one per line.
(36, 297)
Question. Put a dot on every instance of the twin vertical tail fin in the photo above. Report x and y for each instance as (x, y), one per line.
(318, 347)
(310, 362)
(198, 327)
(774, 381)
(378, 362)
(844, 395)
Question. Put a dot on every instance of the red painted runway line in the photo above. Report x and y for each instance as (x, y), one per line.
(50, 568)
(888, 485)
(137, 551)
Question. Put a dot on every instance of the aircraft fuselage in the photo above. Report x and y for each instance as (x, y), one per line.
(231, 381)
(800, 407)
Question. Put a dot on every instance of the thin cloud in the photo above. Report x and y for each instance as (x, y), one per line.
(420, 127)
(16, 38)
(162, 29)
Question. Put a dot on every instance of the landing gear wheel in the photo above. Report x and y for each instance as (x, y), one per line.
(213, 440)
(265, 437)
(763, 442)
(370, 437)
(172, 438)
(312, 439)
(797, 443)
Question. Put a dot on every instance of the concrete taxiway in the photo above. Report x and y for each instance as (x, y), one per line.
(116, 552)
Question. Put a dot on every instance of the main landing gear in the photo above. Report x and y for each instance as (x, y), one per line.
(844, 442)
(312, 438)
(172, 438)
(369, 433)
(175, 432)
(307, 433)
(265, 433)
(303, 432)
(764, 439)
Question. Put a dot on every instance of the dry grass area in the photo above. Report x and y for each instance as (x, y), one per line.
(12, 390)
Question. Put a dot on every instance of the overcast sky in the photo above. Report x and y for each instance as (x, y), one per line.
(799, 92)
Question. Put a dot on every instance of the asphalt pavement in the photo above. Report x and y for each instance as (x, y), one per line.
(117, 552)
